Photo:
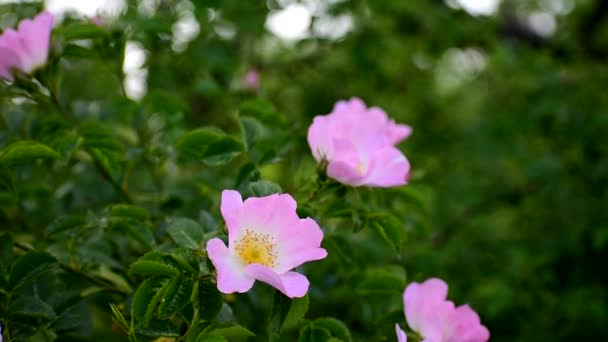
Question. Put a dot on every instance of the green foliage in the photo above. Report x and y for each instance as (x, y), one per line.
(107, 199)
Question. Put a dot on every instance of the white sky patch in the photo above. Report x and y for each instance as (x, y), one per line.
(135, 73)
(333, 27)
(290, 23)
(542, 23)
(475, 7)
(88, 8)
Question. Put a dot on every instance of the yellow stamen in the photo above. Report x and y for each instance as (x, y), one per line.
(257, 248)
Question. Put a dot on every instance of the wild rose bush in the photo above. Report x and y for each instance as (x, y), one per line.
(321, 190)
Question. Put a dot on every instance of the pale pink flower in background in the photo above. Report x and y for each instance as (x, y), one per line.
(436, 319)
(97, 20)
(26, 48)
(266, 240)
(358, 143)
(252, 79)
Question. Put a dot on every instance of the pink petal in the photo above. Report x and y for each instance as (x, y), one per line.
(465, 326)
(230, 206)
(231, 274)
(344, 173)
(8, 61)
(36, 35)
(388, 168)
(401, 336)
(399, 132)
(269, 214)
(11, 40)
(291, 284)
(320, 139)
(422, 302)
(299, 244)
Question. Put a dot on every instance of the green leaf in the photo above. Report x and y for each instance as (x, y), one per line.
(135, 229)
(186, 233)
(208, 337)
(143, 298)
(78, 51)
(210, 145)
(83, 30)
(176, 296)
(285, 313)
(236, 331)
(25, 151)
(382, 281)
(65, 223)
(252, 130)
(311, 333)
(336, 327)
(390, 229)
(152, 267)
(210, 298)
(129, 211)
(118, 317)
(157, 328)
(264, 188)
(98, 136)
(30, 266)
(31, 307)
(263, 111)
(6, 252)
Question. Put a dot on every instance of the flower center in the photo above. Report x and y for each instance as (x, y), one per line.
(257, 248)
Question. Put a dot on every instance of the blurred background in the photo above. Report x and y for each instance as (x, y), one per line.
(508, 100)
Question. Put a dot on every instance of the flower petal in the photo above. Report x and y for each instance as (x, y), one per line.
(8, 61)
(270, 214)
(291, 284)
(465, 326)
(319, 138)
(388, 168)
(36, 35)
(230, 206)
(231, 275)
(422, 302)
(299, 244)
(399, 132)
(401, 336)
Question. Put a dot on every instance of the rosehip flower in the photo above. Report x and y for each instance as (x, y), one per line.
(266, 240)
(252, 79)
(401, 336)
(27, 48)
(436, 319)
(358, 144)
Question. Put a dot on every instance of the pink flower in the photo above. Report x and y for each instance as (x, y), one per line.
(252, 79)
(436, 319)
(266, 240)
(27, 48)
(97, 20)
(359, 145)
(401, 336)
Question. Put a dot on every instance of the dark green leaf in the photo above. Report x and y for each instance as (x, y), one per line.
(211, 300)
(6, 252)
(31, 307)
(285, 313)
(311, 333)
(129, 211)
(336, 327)
(383, 281)
(176, 296)
(264, 188)
(29, 267)
(143, 300)
(152, 267)
(25, 151)
(83, 30)
(209, 145)
(208, 337)
(186, 233)
(236, 331)
(157, 328)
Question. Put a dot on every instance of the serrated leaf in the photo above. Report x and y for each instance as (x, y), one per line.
(209, 145)
(336, 327)
(186, 233)
(152, 267)
(264, 188)
(311, 333)
(211, 300)
(26, 151)
(176, 296)
(144, 295)
(29, 267)
(31, 307)
(186, 259)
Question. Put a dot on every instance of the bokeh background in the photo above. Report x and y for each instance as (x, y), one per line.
(508, 100)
